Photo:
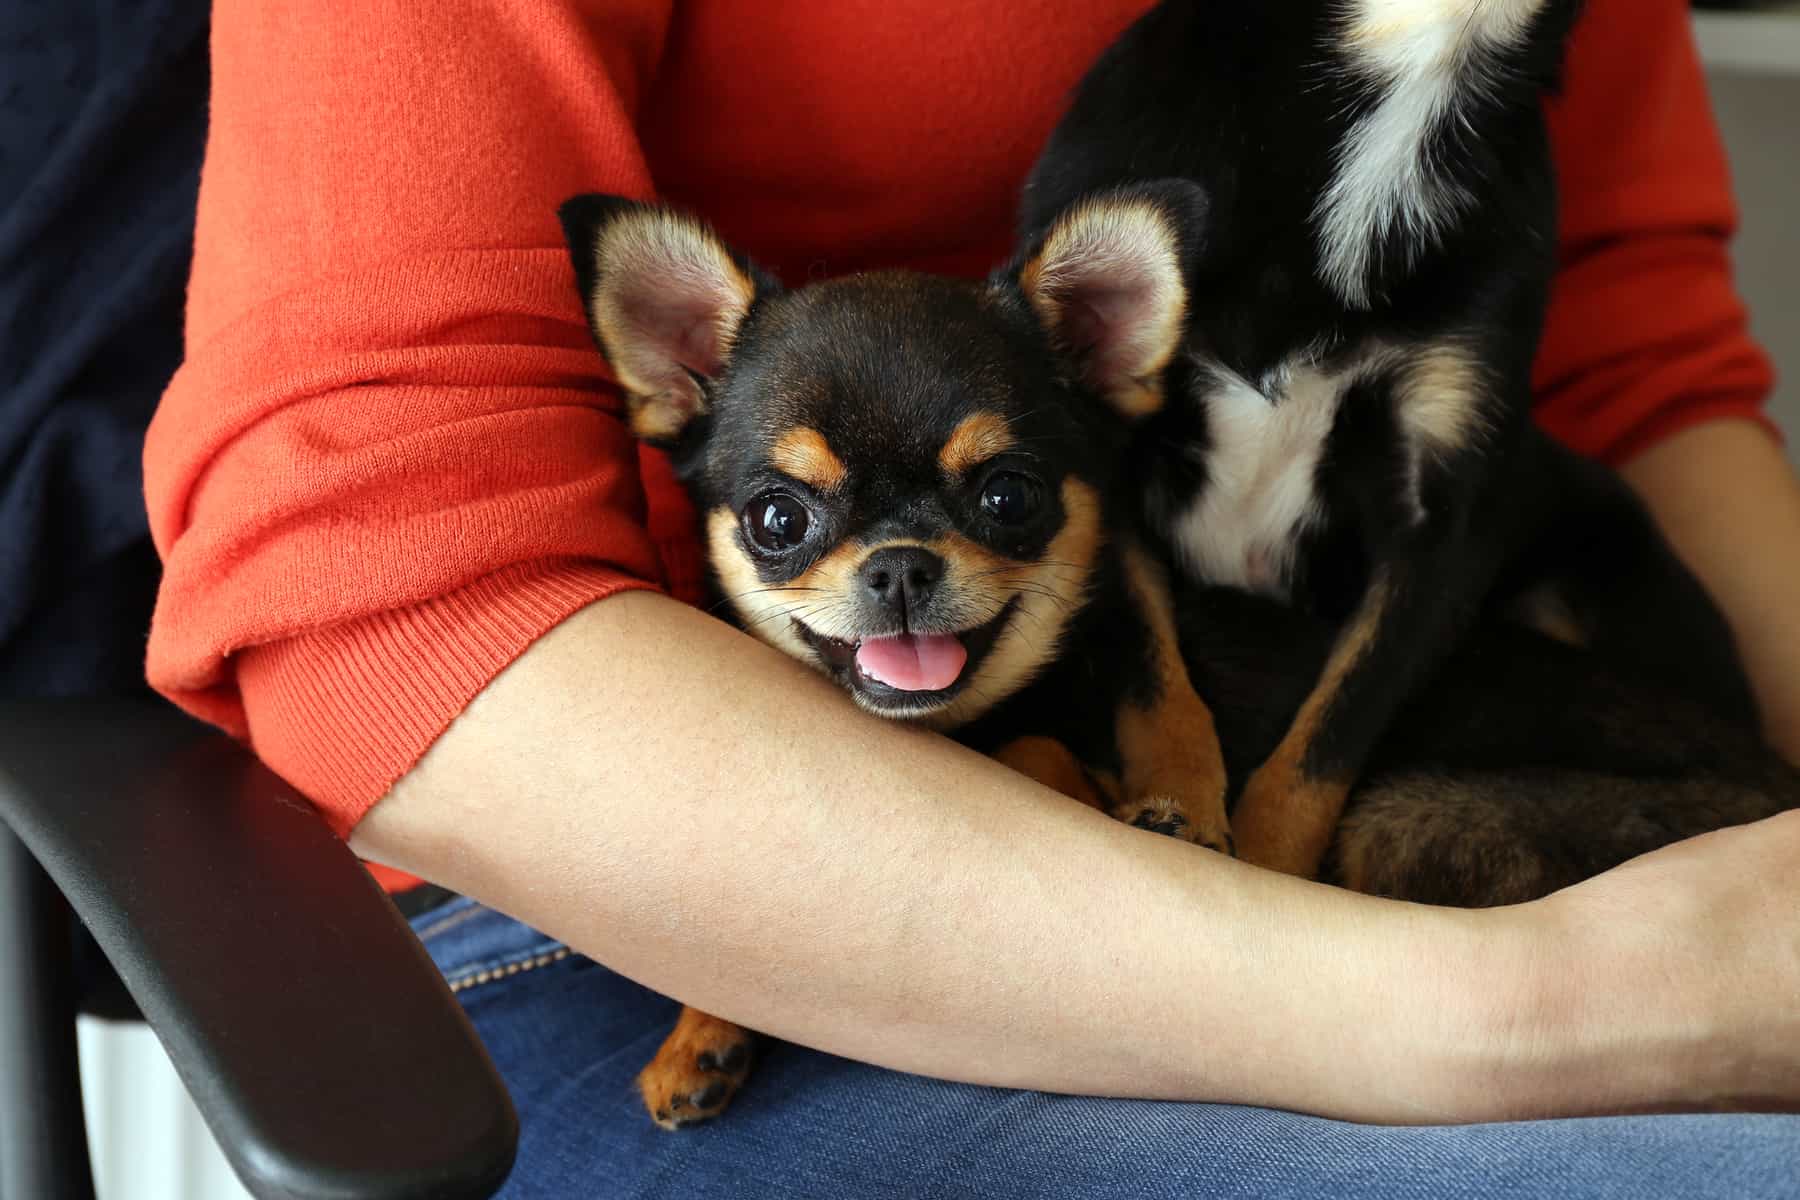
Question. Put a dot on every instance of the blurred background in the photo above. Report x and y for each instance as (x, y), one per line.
(1753, 64)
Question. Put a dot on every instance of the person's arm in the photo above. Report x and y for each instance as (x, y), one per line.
(388, 467)
(1728, 500)
(391, 458)
(710, 818)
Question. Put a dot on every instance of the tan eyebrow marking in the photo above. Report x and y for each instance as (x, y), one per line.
(804, 454)
(978, 438)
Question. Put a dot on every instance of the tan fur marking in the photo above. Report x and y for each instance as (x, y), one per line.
(1544, 609)
(653, 417)
(804, 454)
(763, 608)
(1102, 234)
(676, 1077)
(1048, 590)
(1051, 763)
(821, 597)
(1440, 396)
(1170, 749)
(1141, 398)
(1375, 23)
(1285, 819)
(979, 437)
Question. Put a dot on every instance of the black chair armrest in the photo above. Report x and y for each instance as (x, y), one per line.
(316, 1036)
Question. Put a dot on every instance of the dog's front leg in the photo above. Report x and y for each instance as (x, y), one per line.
(1173, 770)
(1047, 761)
(1418, 599)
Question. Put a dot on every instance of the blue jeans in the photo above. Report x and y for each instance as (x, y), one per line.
(569, 1036)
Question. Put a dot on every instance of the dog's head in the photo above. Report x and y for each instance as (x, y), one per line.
(903, 478)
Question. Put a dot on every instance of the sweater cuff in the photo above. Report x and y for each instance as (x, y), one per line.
(343, 712)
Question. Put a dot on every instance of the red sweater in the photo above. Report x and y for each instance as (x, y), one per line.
(392, 458)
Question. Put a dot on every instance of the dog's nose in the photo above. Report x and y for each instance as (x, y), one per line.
(901, 578)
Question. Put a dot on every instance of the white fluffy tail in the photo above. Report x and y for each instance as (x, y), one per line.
(1427, 57)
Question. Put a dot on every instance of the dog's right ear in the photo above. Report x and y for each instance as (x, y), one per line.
(1106, 280)
(665, 299)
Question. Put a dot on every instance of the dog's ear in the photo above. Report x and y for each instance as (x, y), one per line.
(665, 299)
(1106, 280)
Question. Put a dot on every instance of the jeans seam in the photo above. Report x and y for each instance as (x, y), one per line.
(448, 921)
(506, 970)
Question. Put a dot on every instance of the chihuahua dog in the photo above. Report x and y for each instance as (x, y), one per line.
(903, 488)
(1319, 234)
(912, 485)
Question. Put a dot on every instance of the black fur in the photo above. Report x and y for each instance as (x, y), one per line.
(1251, 104)
(1524, 766)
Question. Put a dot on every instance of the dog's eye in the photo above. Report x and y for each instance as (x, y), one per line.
(776, 521)
(1009, 498)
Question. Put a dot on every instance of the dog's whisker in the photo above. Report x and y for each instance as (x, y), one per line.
(794, 611)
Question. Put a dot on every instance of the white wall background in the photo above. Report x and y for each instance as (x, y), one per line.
(1760, 115)
(145, 1136)
(148, 1141)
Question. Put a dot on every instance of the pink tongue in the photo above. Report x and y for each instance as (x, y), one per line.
(913, 662)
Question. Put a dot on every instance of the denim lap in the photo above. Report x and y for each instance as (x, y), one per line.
(569, 1037)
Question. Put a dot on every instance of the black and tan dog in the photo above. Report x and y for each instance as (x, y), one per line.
(903, 488)
(1321, 234)
(912, 485)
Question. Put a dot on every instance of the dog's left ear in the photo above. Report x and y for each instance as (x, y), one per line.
(1106, 281)
(665, 298)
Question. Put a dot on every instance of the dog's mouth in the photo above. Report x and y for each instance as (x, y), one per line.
(908, 674)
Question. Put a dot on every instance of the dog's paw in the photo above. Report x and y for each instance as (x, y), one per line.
(1169, 816)
(697, 1071)
(1158, 814)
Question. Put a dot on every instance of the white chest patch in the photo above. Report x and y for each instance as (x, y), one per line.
(1260, 497)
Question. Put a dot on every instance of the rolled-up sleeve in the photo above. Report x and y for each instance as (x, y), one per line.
(1646, 334)
(391, 460)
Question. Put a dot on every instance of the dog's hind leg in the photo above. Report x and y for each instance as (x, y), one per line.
(1596, 571)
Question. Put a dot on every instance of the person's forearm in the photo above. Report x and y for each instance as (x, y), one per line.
(710, 818)
(1729, 502)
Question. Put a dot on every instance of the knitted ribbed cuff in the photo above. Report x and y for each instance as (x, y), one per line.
(344, 712)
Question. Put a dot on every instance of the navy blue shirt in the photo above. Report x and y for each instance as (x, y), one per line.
(102, 126)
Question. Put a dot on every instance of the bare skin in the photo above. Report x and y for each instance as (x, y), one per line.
(705, 815)
(1727, 498)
